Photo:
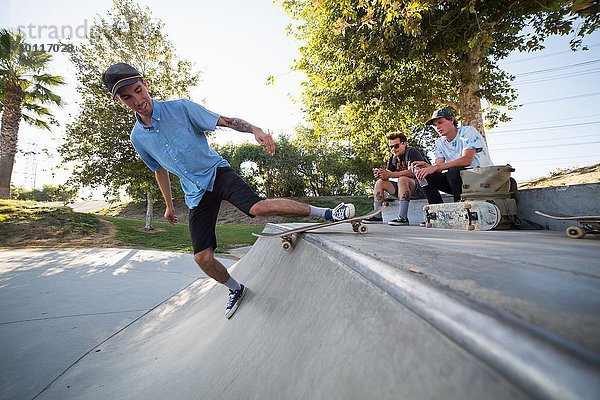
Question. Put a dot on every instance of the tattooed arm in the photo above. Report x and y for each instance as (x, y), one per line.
(242, 126)
(236, 124)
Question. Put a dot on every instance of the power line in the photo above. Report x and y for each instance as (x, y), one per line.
(555, 120)
(566, 73)
(565, 138)
(553, 78)
(545, 55)
(574, 163)
(547, 127)
(562, 98)
(563, 67)
(545, 146)
(559, 158)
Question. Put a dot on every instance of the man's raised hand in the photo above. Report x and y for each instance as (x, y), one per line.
(264, 139)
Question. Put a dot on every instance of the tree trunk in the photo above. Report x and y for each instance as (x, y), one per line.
(149, 210)
(469, 100)
(9, 135)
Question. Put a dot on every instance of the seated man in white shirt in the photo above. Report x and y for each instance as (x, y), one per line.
(458, 148)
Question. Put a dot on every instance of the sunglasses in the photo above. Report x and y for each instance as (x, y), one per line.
(395, 146)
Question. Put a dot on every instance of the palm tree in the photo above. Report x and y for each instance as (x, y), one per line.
(25, 90)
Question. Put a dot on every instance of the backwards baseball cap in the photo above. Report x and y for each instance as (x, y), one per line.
(441, 113)
(119, 75)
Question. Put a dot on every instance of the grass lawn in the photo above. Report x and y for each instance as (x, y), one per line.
(29, 223)
(130, 233)
(32, 224)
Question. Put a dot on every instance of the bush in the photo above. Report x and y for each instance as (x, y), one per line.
(48, 193)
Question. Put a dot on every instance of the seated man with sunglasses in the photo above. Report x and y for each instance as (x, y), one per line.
(398, 167)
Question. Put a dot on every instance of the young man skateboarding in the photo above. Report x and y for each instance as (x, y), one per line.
(398, 167)
(169, 137)
(456, 149)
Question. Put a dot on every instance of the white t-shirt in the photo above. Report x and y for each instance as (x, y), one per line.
(466, 138)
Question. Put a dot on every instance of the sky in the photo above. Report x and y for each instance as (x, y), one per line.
(237, 44)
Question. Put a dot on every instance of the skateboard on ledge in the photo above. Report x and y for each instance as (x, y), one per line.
(468, 215)
(589, 224)
(288, 237)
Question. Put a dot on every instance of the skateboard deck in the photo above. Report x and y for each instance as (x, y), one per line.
(589, 224)
(468, 215)
(288, 238)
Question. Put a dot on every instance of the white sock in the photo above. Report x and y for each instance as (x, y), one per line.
(232, 284)
(317, 212)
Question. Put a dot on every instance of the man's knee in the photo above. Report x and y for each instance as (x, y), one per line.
(453, 176)
(260, 208)
(380, 184)
(454, 173)
(404, 181)
(455, 181)
(204, 257)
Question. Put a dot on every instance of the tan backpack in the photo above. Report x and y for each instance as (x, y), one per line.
(493, 184)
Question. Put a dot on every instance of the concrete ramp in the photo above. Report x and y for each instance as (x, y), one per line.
(325, 322)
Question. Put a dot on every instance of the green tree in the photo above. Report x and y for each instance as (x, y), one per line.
(304, 166)
(97, 142)
(330, 168)
(272, 176)
(249, 160)
(379, 65)
(25, 91)
(284, 172)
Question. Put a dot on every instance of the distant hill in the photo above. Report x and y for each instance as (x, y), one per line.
(577, 176)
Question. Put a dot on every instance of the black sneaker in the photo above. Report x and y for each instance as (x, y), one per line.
(373, 220)
(235, 298)
(398, 221)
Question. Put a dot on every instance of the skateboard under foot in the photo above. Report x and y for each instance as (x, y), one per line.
(289, 237)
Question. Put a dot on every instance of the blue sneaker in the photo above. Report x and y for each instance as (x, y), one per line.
(235, 298)
(343, 211)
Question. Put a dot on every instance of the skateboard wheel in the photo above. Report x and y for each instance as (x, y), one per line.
(429, 225)
(287, 246)
(363, 229)
(575, 232)
(467, 206)
(426, 208)
(471, 227)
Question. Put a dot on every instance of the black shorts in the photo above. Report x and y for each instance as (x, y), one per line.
(203, 218)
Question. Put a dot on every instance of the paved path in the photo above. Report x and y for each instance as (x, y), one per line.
(56, 305)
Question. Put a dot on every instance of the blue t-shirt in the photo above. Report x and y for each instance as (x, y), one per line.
(176, 142)
(466, 138)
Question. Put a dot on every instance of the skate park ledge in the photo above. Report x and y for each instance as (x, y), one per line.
(570, 200)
